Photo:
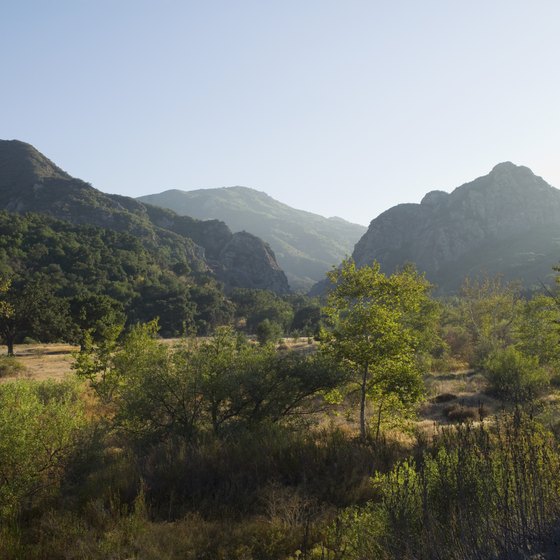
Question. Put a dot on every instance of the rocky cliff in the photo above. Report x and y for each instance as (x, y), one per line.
(507, 223)
(239, 260)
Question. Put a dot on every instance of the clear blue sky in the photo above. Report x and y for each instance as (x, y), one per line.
(342, 107)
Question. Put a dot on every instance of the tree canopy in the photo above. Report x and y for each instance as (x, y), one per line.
(376, 330)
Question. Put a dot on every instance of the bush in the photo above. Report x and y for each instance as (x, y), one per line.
(268, 331)
(515, 377)
(478, 493)
(459, 413)
(39, 426)
(10, 367)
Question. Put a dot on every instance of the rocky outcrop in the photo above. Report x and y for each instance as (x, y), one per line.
(239, 260)
(247, 261)
(507, 223)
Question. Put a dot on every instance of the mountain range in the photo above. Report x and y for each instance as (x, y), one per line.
(505, 223)
(30, 182)
(306, 245)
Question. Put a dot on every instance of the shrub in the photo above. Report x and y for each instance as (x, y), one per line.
(39, 426)
(515, 377)
(460, 413)
(478, 493)
(10, 367)
(268, 331)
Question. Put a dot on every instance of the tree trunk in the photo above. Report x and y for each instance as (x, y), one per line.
(10, 345)
(363, 432)
(378, 429)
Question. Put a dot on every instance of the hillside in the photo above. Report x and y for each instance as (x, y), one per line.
(30, 182)
(306, 245)
(506, 223)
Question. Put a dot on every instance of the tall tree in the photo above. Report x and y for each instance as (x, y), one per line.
(377, 327)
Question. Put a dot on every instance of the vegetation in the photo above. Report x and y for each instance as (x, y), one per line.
(229, 447)
(377, 331)
(61, 280)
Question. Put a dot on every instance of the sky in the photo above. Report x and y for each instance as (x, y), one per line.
(339, 107)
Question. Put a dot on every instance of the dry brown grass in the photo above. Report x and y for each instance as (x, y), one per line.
(44, 361)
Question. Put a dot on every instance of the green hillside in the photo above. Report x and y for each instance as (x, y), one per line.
(305, 244)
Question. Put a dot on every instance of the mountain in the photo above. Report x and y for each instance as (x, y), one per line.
(506, 223)
(30, 182)
(305, 244)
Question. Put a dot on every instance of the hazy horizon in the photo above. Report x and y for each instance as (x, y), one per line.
(341, 110)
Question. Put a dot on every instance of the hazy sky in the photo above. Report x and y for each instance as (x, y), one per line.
(342, 107)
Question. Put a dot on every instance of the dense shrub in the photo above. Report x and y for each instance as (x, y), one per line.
(10, 367)
(515, 377)
(479, 493)
(39, 428)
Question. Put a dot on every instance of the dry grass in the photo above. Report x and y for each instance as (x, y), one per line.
(44, 361)
(455, 396)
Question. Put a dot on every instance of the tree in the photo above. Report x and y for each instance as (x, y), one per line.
(31, 308)
(268, 332)
(514, 376)
(220, 385)
(40, 425)
(377, 324)
(258, 305)
(489, 309)
(95, 315)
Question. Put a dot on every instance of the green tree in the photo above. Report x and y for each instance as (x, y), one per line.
(537, 330)
(488, 309)
(216, 386)
(515, 377)
(95, 315)
(268, 331)
(257, 305)
(377, 325)
(31, 308)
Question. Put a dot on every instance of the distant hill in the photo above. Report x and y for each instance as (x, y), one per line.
(506, 223)
(30, 182)
(306, 245)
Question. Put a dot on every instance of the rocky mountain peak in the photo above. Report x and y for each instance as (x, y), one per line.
(506, 222)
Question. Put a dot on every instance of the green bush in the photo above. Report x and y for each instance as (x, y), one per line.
(515, 377)
(478, 493)
(10, 367)
(268, 332)
(39, 428)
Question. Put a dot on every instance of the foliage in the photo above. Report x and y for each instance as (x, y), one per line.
(488, 309)
(476, 494)
(95, 315)
(225, 383)
(376, 330)
(514, 376)
(32, 308)
(86, 264)
(268, 332)
(255, 306)
(39, 428)
(537, 330)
